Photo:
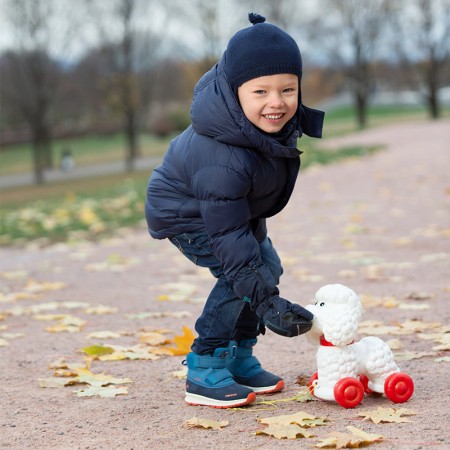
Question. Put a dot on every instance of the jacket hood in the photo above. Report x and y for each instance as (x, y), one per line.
(215, 112)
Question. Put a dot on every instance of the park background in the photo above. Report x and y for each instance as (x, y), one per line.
(109, 83)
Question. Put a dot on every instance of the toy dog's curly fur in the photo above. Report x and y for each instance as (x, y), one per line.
(337, 312)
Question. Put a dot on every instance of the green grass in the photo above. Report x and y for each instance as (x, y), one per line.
(86, 151)
(94, 208)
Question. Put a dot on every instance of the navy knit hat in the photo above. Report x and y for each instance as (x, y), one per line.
(260, 50)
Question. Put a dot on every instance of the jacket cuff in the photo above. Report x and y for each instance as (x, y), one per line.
(255, 284)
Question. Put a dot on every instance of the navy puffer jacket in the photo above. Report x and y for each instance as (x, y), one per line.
(224, 177)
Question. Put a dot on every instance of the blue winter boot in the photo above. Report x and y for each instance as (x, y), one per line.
(247, 370)
(209, 383)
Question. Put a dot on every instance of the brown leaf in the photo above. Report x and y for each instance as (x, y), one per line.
(196, 422)
(289, 431)
(387, 415)
(357, 438)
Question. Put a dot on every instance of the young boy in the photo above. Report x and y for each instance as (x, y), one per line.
(233, 167)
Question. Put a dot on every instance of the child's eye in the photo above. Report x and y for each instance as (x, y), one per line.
(260, 92)
(289, 90)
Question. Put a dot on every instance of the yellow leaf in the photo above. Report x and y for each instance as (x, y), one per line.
(55, 382)
(300, 418)
(196, 422)
(99, 379)
(153, 338)
(387, 415)
(358, 438)
(97, 350)
(104, 392)
(67, 323)
(289, 431)
(183, 343)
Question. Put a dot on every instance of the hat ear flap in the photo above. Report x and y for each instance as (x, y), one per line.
(341, 326)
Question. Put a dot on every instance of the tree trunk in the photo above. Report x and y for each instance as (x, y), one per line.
(132, 140)
(361, 109)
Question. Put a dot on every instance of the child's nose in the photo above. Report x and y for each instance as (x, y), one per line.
(276, 100)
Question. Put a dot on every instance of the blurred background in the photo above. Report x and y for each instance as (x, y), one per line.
(92, 91)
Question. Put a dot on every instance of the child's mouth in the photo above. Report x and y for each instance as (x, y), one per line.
(273, 117)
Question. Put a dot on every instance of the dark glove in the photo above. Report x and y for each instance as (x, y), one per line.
(283, 317)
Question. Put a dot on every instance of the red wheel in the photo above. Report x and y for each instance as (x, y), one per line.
(311, 383)
(365, 382)
(398, 387)
(349, 392)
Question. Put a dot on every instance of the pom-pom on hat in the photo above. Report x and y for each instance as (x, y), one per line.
(260, 50)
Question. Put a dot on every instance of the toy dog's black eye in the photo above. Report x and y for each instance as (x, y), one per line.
(322, 304)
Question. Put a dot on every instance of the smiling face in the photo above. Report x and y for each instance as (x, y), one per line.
(270, 102)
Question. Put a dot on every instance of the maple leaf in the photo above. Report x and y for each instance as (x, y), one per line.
(288, 431)
(104, 392)
(300, 418)
(357, 438)
(153, 338)
(67, 323)
(183, 343)
(196, 422)
(56, 382)
(99, 379)
(387, 415)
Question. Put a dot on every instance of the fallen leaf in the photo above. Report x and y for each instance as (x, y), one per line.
(180, 374)
(99, 379)
(104, 392)
(56, 382)
(67, 323)
(387, 415)
(289, 431)
(103, 335)
(183, 343)
(443, 359)
(408, 356)
(97, 350)
(300, 418)
(153, 338)
(357, 438)
(196, 422)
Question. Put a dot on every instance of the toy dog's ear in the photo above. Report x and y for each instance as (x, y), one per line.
(341, 325)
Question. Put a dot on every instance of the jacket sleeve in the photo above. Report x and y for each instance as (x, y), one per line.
(222, 193)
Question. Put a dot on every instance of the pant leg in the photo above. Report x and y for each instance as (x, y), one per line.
(225, 316)
(222, 308)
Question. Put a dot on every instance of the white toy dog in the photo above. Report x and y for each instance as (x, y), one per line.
(348, 369)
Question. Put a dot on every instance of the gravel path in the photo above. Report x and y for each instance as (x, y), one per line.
(379, 224)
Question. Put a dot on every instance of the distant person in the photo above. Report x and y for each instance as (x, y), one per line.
(67, 162)
(232, 168)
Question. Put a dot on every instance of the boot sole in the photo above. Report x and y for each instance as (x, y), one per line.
(267, 389)
(199, 400)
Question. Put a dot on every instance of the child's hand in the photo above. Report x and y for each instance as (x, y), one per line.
(283, 317)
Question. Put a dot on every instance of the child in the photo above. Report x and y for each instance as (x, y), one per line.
(233, 167)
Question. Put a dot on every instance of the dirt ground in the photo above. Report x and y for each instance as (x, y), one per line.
(379, 224)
